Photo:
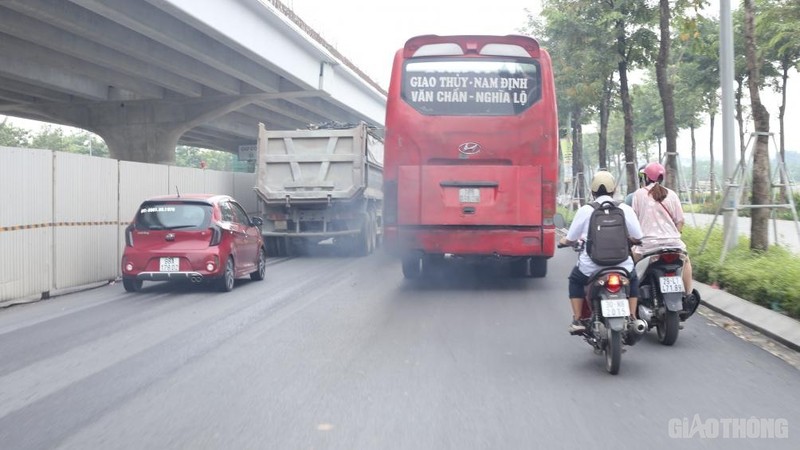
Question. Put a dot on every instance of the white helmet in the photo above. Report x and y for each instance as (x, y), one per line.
(605, 179)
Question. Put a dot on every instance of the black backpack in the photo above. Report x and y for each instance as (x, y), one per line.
(607, 241)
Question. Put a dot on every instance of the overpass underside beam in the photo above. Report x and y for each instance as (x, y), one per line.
(143, 130)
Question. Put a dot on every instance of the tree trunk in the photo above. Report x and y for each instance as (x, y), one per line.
(759, 218)
(781, 111)
(694, 165)
(740, 118)
(577, 156)
(605, 105)
(627, 109)
(665, 90)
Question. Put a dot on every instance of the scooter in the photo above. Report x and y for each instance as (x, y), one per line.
(606, 314)
(662, 303)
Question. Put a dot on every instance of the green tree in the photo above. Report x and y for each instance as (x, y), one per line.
(12, 136)
(667, 10)
(578, 68)
(698, 75)
(210, 159)
(649, 116)
(779, 24)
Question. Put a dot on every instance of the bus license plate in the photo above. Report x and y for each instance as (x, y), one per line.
(615, 308)
(469, 195)
(169, 265)
(671, 284)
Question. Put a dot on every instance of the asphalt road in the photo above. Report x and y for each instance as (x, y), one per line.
(342, 353)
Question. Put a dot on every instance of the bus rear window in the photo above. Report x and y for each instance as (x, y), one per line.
(475, 87)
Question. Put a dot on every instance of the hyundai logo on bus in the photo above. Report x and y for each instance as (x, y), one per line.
(469, 148)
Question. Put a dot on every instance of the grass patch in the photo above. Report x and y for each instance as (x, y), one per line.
(770, 279)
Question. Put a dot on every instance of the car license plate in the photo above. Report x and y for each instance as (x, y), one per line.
(671, 284)
(615, 308)
(469, 195)
(169, 265)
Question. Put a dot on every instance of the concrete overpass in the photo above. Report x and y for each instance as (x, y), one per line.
(147, 75)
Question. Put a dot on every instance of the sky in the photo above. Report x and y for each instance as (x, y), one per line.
(371, 44)
(369, 32)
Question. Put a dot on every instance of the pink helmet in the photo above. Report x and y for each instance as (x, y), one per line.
(654, 172)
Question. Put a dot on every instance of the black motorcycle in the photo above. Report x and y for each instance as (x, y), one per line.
(606, 314)
(662, 303)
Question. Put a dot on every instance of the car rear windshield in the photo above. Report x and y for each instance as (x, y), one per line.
(173, 215)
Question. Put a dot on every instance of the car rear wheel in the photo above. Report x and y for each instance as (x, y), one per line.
(261, 271)
(132, 284)
(228, 277)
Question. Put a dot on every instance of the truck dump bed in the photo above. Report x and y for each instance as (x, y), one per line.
(318, 166)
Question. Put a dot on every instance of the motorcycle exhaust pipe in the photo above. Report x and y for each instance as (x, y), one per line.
(639, 326)
(645, 313)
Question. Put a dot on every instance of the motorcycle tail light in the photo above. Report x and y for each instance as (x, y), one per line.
(613, 284)
(670, 258)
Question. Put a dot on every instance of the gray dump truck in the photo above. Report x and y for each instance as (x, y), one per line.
(321, 186)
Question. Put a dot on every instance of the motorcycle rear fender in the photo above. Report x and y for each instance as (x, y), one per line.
(673, 301)
(615, 323)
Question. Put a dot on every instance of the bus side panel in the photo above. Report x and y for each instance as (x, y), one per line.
(480, 195)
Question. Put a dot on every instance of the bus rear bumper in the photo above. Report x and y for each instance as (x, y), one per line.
(533, 241)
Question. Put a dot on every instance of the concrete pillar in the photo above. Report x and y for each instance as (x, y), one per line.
(141, 142)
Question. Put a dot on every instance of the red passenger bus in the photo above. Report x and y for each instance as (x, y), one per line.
(471, 152)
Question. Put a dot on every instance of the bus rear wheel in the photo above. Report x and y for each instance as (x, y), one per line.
(412, 267)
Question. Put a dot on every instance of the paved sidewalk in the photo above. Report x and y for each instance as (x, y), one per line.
(781, 328)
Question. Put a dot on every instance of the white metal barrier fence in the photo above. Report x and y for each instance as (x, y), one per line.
(63, 215)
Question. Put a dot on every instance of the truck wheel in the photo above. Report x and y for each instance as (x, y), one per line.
(363, 243)
(373, 236)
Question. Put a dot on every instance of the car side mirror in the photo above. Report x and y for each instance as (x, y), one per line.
(257, 221)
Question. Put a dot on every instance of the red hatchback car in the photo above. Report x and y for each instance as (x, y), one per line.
(195, 237)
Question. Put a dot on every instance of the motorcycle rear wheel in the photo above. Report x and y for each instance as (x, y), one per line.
(613, 352)
(668, 329)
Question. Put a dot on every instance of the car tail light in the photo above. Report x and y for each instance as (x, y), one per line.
(129, 235)
(613, 283)
(669, 258)
(216, 235)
